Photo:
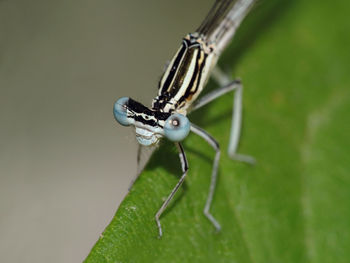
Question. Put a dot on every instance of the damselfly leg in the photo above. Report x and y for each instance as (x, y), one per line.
(213, 143)
(143, 155)
(184, 166)
(226, 86)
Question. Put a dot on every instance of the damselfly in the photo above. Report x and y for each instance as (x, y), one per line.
(179, 87)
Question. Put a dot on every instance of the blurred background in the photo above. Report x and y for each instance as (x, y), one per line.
(65, 164)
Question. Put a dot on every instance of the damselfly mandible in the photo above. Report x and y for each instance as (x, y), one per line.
(179, 87)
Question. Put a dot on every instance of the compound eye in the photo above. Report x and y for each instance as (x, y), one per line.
(120, 111)
(177, 127)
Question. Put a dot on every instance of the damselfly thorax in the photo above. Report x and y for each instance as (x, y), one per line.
(180, 85)
(185, 76)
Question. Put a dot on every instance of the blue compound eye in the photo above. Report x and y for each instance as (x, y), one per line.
(120, 111)
(177, 127)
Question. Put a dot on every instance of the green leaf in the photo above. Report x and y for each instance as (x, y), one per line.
(293, 206)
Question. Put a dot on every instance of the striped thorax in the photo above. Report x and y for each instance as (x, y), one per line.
(180, 85)
(185, 76)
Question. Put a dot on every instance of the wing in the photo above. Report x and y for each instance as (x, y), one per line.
(222, 21)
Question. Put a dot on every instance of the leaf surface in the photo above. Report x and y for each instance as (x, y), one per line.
(293, 206)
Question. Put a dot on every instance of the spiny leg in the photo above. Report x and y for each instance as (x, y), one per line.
(236, 124)
(213, 143)
(184, 166)
(144, 153)
(139, 153)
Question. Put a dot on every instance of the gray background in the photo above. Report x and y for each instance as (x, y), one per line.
(65, 164)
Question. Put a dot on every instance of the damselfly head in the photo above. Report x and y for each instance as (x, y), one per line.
(151, 125)
(147, 137)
